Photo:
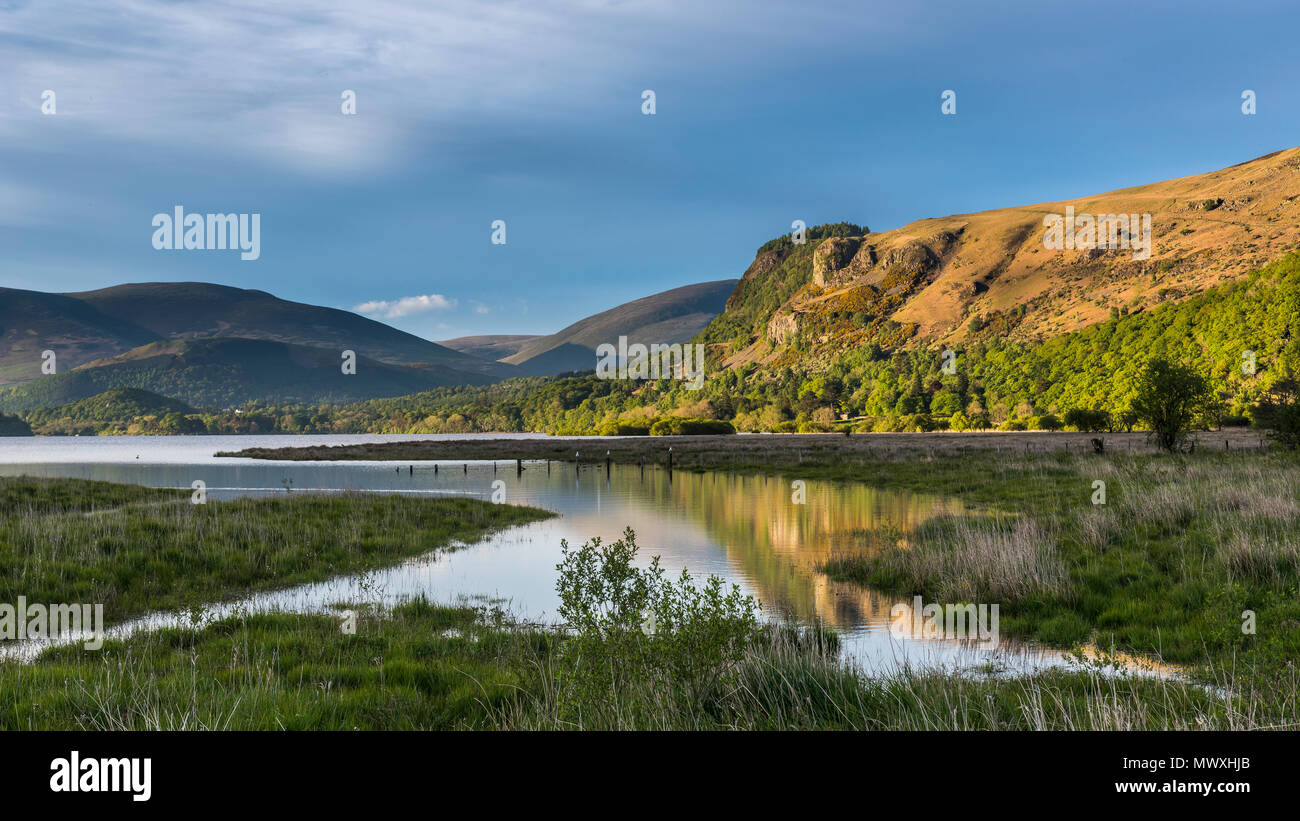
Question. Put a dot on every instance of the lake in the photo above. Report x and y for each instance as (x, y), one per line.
(747, 529)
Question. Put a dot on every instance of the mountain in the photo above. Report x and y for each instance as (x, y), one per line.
(232, 371)
(666, 318)
(92, 325)
(489, 347)
(183, 310)
(32, 322)
(947, 280)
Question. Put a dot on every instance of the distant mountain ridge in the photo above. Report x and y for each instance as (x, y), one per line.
(493, 347)
(89, 325)
(213, 345)
(668, 317)
(230, 372)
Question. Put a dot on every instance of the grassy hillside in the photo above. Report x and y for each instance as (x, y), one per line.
(936, 281)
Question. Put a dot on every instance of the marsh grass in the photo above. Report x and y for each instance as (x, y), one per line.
(969, 559)
(421, 666)
(415, 666)
(1184, 546)
(135, 550)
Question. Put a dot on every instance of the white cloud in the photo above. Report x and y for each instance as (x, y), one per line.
(406, 306)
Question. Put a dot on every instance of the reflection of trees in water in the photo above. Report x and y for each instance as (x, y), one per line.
(780, 544)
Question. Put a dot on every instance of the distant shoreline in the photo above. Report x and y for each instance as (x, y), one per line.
(755, 449)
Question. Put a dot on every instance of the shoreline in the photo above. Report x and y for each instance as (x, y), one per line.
(756, 450)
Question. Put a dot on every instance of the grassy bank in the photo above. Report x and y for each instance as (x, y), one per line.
(134, 549)
(425, 667)
(1181, 549)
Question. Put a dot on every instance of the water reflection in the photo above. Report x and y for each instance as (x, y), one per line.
(749, 530)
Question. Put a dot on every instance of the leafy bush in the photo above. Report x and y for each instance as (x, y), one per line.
(616, 428)
(677, 426)
(632, 628)
(1045, 422)
(918, 423)
(1092, 421)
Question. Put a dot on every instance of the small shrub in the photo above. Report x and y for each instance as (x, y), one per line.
(634, 632)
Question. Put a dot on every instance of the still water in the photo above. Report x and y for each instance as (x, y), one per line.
(746, 529)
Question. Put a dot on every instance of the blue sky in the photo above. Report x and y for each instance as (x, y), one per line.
(530, 112)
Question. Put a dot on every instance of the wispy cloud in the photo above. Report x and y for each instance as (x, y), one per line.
(232, 77)
(406, 306)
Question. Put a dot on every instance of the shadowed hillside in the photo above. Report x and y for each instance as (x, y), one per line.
(228, 372)
(666, 318)
(90, 325)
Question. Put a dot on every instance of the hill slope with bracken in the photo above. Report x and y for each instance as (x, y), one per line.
(942, 280)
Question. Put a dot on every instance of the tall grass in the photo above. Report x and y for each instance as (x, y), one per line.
(1182, 551)
(969, 558)
(420, 666)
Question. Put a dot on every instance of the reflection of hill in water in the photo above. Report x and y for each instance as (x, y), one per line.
(780, 544)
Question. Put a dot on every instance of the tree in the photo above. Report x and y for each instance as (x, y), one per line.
(1092, 421)
(1171, 399)
(1279, 411)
